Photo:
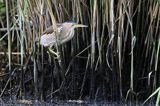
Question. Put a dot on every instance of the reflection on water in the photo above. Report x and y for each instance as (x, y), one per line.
(67, 103)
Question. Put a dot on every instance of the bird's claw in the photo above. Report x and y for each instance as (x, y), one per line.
(57, 55)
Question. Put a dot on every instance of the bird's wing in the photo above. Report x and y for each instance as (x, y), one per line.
(49, 30)
(48, 39)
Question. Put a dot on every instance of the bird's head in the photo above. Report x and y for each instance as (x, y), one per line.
(71, 25)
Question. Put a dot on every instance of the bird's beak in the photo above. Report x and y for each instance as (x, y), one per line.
(80, 25)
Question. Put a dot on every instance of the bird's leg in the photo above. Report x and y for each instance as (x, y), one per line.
(57, 54)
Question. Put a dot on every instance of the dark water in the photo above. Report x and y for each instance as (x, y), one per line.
(67, 103)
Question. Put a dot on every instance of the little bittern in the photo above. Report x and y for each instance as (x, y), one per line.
(65, 33)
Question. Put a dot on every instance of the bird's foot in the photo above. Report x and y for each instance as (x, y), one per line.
(57, 54)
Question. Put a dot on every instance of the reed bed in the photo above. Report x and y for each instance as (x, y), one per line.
(115, 59)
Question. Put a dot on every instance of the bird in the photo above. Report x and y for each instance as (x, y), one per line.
(65, 32)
